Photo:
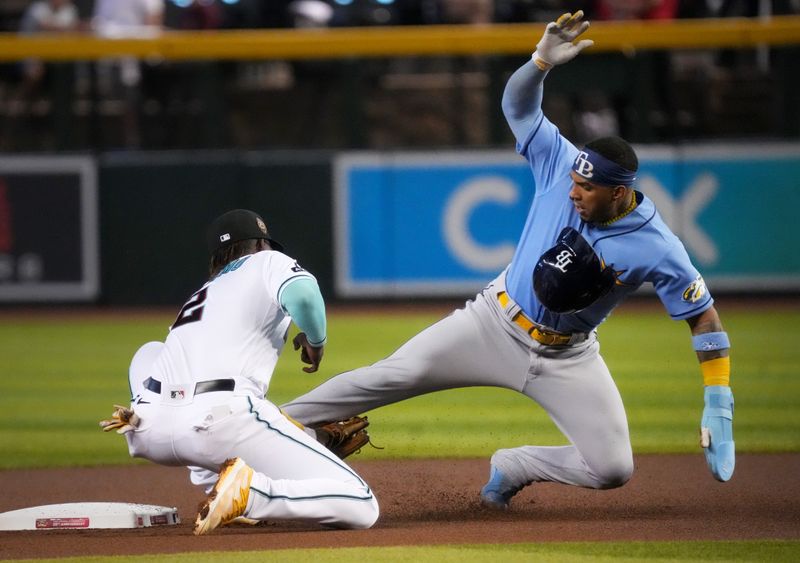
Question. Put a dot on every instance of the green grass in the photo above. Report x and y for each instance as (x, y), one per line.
(653, 552)
(59, 375)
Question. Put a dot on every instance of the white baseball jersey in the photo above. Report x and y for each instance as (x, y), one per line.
(234, 325)
(200, 398)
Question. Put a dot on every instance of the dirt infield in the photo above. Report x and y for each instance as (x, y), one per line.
(433, 502)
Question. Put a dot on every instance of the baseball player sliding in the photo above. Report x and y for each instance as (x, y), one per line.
(198, 398)
(590, 239)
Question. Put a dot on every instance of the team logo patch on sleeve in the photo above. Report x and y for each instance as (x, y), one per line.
(695, 291)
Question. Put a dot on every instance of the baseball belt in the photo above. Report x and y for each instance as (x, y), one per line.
(200, 387)
(536, 331)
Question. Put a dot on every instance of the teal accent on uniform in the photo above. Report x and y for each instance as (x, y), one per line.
(331, 457)
(302, 300)
(314, 497)
(232, 266)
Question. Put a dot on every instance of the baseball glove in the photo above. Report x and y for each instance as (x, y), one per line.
(344, 437)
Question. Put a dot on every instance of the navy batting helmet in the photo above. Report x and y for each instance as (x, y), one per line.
(570, 276)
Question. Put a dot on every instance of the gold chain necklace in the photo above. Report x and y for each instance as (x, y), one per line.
(630, 208)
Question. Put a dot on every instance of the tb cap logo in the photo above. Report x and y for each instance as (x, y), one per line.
(563, 259)
(583, 166)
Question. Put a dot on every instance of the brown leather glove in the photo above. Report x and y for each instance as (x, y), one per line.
(344, 437)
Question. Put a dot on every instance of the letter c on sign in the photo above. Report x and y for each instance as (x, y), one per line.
(455, 223)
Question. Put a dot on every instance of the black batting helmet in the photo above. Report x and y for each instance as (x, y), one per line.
(570, 276)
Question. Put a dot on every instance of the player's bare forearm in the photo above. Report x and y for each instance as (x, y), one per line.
(706, 322)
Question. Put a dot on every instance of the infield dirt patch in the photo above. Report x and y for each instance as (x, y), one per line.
(432, 502)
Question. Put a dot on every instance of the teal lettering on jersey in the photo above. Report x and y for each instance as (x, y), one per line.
(234, 265)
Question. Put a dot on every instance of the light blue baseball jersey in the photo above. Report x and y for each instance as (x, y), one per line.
(640, 247)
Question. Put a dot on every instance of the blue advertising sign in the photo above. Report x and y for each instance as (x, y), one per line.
(444, 224)
(732, 206)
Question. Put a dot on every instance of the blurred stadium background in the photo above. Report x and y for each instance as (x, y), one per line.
(369, 134)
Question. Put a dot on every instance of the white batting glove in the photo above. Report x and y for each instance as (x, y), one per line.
(557, 46)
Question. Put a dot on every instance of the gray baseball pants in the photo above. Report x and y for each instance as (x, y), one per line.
(479, 345)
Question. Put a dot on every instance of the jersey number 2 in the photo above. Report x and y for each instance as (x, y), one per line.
(193, 310)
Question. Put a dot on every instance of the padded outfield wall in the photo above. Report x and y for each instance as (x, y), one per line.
(128, 229)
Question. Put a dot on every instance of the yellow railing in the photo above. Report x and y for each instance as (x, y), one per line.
(402, 41)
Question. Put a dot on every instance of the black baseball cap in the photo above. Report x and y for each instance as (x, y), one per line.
(236, 225)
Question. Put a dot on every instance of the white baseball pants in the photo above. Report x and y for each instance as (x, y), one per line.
(295, 477)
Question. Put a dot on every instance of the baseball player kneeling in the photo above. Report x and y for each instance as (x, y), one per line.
(589, 241)
(198, 397)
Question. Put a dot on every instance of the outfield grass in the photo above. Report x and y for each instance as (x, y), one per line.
(573, 552)
(59, 375)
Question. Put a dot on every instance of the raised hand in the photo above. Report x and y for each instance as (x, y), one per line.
(557, 46)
